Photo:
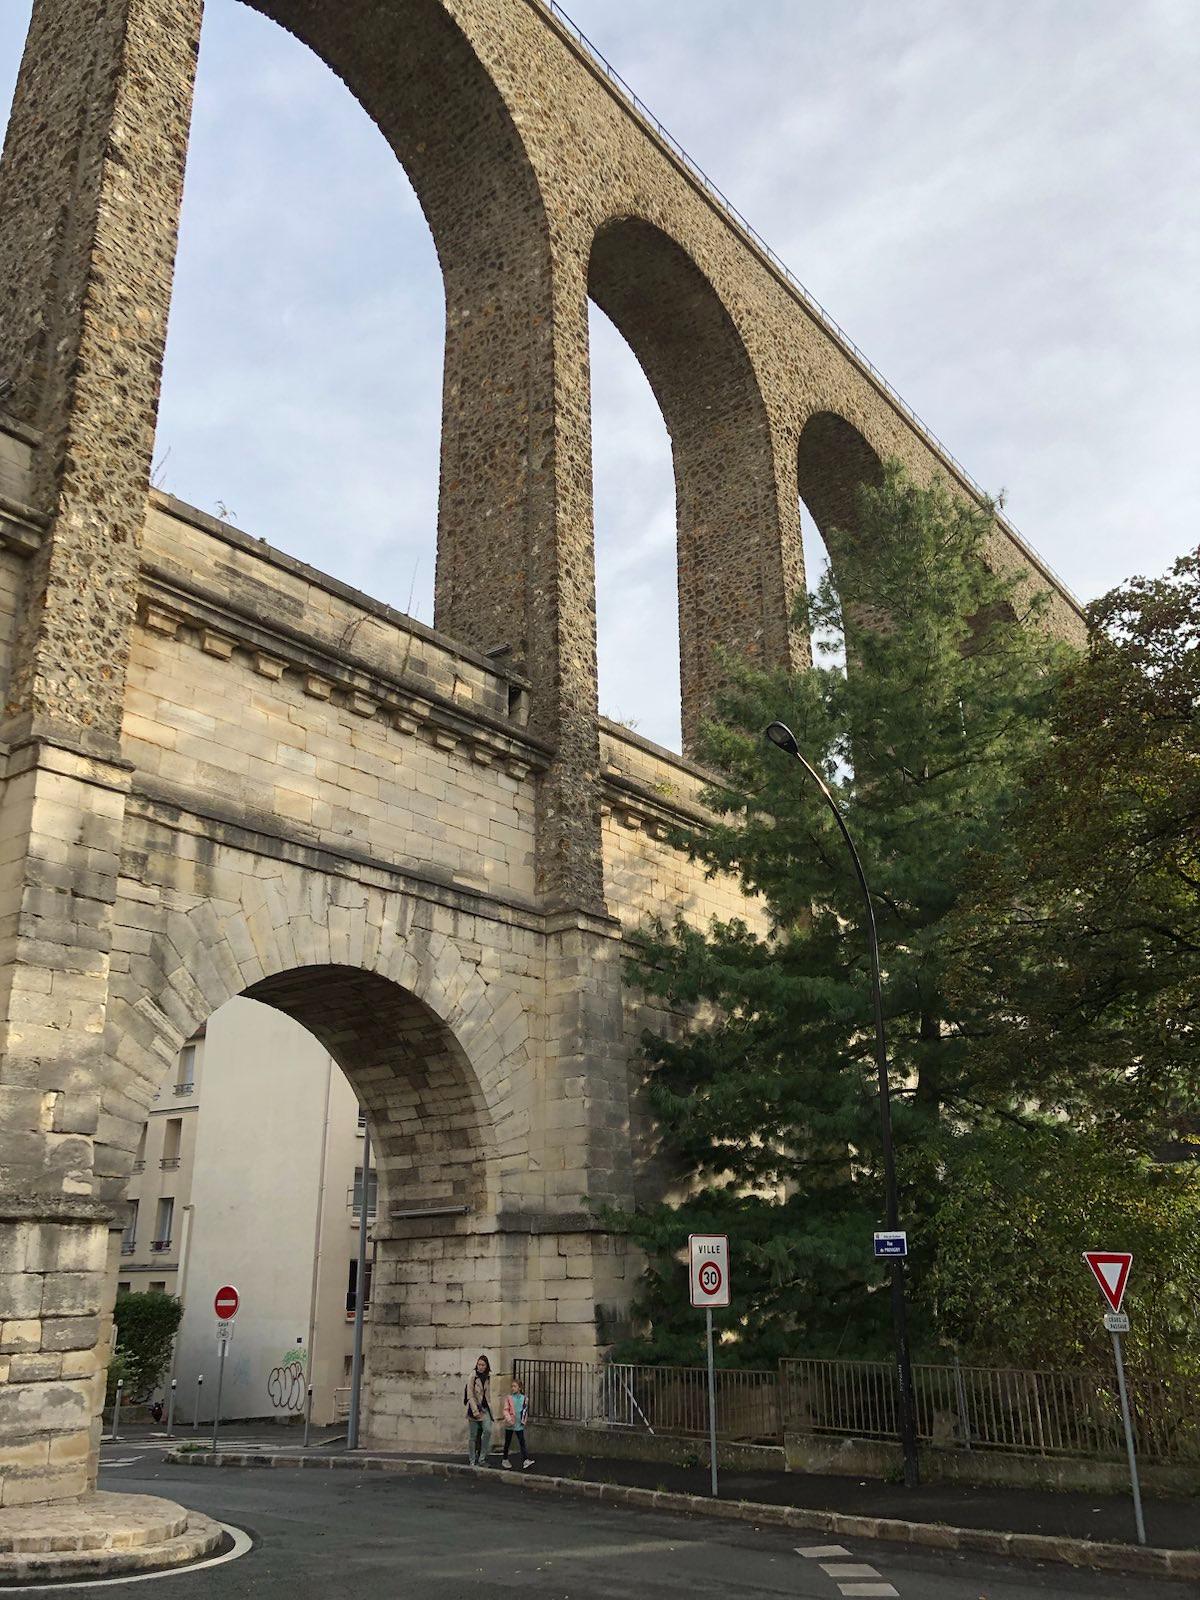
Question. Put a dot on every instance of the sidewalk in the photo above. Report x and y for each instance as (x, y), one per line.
(1107, 1518)
(1095, 1518)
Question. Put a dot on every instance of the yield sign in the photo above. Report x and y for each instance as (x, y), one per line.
(1110, 1268)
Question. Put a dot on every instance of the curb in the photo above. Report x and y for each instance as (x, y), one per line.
(928, 1535)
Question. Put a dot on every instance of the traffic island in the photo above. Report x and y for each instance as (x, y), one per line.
(101, 1536)
(1068, 1551)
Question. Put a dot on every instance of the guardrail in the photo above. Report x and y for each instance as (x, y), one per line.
(1017, 1410)
(670, 1400)
(811, 304)
(1032, 1412)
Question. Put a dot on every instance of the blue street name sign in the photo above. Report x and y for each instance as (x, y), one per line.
(891, 1244)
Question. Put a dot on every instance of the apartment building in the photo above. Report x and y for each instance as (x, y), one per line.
(249, 1172)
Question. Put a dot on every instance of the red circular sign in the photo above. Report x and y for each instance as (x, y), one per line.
(710, 1278)
(226, 1302)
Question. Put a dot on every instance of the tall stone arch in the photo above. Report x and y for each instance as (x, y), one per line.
(87, 248)
(736, 556)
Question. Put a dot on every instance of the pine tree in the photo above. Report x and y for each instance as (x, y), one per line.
(765, 1101)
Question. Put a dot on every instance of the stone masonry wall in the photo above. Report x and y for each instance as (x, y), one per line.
(226, 774)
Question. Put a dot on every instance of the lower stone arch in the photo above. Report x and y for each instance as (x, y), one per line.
(440, 1061)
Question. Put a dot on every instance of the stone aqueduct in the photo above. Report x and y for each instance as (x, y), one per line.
(225, 773)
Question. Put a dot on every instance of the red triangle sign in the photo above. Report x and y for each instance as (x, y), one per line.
(1110, 1268)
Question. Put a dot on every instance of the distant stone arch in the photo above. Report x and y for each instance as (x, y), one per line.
(734, 583)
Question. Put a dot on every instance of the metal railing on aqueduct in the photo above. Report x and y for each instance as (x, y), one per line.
(1022, 1411)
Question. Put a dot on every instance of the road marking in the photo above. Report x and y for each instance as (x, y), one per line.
(241, 1544)
(846, 1568)
(122, 1461)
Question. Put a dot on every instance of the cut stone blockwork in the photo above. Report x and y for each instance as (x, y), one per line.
(225, 773)
(102, 1536)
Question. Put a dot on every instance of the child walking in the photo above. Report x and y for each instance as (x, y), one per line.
(516, 1415)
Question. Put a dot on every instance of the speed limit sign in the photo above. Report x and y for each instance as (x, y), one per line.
(708, 1269)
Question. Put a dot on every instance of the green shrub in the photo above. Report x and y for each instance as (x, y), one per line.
(146, 1327)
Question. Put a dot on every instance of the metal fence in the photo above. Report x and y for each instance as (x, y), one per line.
(671, 1400)
(1043, 1413)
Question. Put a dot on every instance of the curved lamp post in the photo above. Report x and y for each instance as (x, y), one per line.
(784, 739)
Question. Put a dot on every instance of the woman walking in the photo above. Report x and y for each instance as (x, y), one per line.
(478, 1396)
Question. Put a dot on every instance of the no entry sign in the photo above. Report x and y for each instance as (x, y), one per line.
(708, 1269)
(225, 1302)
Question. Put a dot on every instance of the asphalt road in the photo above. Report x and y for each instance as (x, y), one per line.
(398, 1538)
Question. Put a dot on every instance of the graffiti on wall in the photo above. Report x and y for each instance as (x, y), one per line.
(286, 1386)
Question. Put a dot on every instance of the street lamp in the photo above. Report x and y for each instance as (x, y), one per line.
(784, 739)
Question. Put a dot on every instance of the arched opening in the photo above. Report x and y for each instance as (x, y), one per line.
(302, 377)
(420, 82)
(249, 1169)
(834, 462)
(734, 581)
(633, 495)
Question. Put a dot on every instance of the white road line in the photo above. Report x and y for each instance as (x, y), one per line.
(849, 1569)
(818, 1552)
(869, 1591)
(241, 1544)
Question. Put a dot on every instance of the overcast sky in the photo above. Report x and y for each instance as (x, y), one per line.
(997, 200)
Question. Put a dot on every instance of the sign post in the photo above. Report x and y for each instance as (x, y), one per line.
(708, 1275)
(1110, 1268)
(225, 1304)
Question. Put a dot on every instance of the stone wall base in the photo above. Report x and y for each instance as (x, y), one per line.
(55, 1327)
(874, 1458)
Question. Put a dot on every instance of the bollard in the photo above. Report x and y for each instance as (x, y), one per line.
(171, 1409)
(116, 1433)
(308, 1416)
(199, 1384)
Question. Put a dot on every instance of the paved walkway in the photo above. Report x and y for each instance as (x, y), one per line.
(1170, 1524)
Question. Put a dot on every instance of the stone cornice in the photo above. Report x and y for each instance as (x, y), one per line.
(21, 527)
(217, 625)
(260, 550)
(60, 1208)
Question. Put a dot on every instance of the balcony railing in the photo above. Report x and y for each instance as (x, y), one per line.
(139, 1165)
(185, 1088)
(128, 1244)
(168, 1163)
(160, 1245)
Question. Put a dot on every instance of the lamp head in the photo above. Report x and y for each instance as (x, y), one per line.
(782, 736)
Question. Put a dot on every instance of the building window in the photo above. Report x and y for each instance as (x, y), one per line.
(139, 1160)
(158, 1288)
(355, 1195)
(122, 1288)
(163, 1224)
(172, 1140)
(185, 1071)
(352, 1287)
(129, 1237)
